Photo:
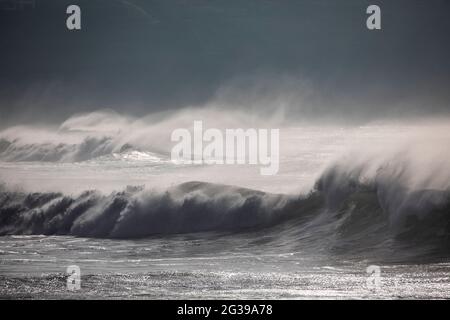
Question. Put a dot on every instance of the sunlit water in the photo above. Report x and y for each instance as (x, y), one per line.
(199, 266)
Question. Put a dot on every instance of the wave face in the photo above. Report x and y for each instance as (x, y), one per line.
(376, 210)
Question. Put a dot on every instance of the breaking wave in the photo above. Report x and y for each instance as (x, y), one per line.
(345, 210)
(136, 212)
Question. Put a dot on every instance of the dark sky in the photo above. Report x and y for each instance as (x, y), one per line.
(140, 56)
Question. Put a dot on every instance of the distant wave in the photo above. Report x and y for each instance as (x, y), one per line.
(91, 135)
(90, 147)
(80, 138)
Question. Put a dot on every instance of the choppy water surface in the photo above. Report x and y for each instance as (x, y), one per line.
(189, 267)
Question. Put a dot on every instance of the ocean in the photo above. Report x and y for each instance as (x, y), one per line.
(347, 201)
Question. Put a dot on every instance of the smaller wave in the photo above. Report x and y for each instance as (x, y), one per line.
(79, 138)
(89, 148)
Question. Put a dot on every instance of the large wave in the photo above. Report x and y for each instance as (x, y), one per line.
(136, 212)
(346, 211)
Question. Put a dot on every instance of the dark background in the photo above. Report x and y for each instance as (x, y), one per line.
(138, 56)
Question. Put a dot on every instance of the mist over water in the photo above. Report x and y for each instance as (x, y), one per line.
(415, 152)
